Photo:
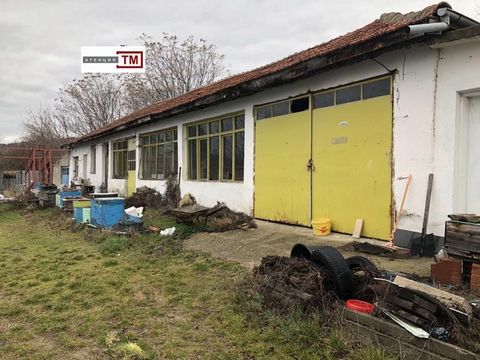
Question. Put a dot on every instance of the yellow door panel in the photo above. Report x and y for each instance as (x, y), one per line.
(351, 151)
(282, 180)
(131, 182)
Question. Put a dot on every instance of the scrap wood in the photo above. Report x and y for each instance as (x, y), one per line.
(379, 329)
(152, 229)
(357, 229)
(412, 329)
(400, 210)
(444, 297)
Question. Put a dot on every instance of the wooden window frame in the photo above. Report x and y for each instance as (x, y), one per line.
(154, 146)
(221, 134)
(119, 148)
(93, 159)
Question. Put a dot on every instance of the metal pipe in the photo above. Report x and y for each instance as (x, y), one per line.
(427, 28)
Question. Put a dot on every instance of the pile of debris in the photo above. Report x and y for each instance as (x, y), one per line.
(318, 277)
(226, 219)
(288, 284)
(146, 197)
(151, 198)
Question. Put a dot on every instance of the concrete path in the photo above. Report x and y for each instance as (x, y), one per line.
(249, 246)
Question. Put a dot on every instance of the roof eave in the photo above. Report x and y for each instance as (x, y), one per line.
(347, 55)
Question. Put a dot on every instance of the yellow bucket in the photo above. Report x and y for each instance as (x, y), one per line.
(321, 226)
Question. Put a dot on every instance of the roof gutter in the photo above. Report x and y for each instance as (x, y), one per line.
(448, 19)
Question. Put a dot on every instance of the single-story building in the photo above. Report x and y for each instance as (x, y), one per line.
(329, 132)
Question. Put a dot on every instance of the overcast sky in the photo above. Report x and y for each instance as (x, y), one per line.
(40, 40)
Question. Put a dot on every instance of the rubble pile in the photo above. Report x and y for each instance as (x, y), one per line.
(288, 284)
(227, 219)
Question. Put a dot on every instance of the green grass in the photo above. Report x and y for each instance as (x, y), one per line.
(90, 295)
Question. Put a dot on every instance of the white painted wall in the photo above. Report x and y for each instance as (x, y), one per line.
(424, 128)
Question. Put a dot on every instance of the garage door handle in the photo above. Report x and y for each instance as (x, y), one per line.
(310, 166)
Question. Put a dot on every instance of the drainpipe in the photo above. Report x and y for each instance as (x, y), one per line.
(437, 27)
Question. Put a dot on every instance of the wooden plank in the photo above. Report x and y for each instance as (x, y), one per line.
(357, 229)
(407, 350)
(432, 345)
(408, 295)
(446, 298)
(411, 307)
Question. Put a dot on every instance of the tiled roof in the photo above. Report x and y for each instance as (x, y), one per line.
(386, 24)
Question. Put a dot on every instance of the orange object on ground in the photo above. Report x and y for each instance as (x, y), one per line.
(360, 306)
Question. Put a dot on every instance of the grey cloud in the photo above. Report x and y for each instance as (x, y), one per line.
(41, 40)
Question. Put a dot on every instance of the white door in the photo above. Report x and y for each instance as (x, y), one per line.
(473, 157)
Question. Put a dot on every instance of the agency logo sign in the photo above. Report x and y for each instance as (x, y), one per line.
(113, 59)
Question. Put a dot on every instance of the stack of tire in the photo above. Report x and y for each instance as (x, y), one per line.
(340, 270)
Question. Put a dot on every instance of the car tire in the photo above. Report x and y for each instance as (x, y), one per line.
(362, 263)
(339, 271)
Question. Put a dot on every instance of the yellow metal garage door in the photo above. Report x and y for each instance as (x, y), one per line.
(351, 150)
(347, 132)
(282, 150)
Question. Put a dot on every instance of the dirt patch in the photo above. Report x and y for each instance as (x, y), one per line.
(290, 284)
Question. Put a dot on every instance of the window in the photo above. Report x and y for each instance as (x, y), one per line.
(298, 105)
(376, 88)
(283, 108)
(120, 150)
(131, 162)
(75, 166)
(93, 159)
(159, 154)
(348, 94)
(216, 149)
(324, 100)
(84, 164)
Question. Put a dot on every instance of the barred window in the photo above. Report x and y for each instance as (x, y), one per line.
(216, 149)
(120, 150)
(159, 154)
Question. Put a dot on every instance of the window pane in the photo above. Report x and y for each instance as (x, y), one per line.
(192, 131)
(239, 121)
(169, 135)
(227, 157)
(281, 108)
(161, 137)
(348, 94)
(192, 157)
(227, 124)
(214, 127)
(298, 105)
(202, 129)
(175, 134)
(203, 158)
(264, 112)
(239, 150)
(160, 161)
(214, 158)
(169, 157)
(376, 88)
(324, 100)
(175, 158)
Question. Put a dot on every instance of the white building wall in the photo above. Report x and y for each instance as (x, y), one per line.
(424, 125)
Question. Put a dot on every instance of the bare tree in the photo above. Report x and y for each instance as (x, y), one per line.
(173, 67)
(43, 129)
(89, 103)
